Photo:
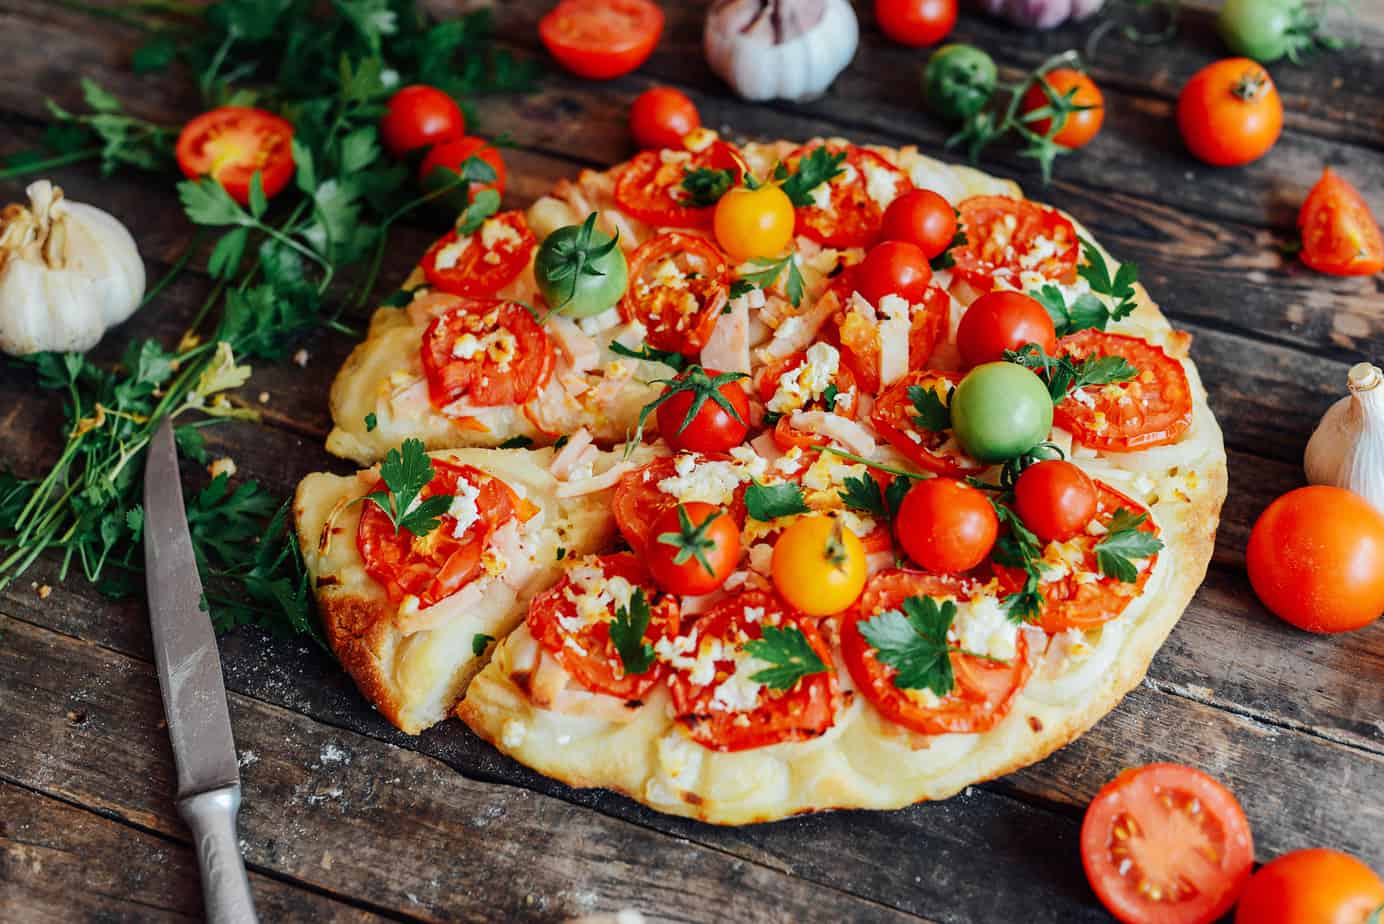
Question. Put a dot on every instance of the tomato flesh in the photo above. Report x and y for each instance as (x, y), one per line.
(678, 285)
(934, 450)
(1001, 243)
(478, 268)
(1152, 410)
(485, 352)
(601, 39)
(851, 217)
(1339, 235)
(639, 501)
(233, 143)
(650, 187)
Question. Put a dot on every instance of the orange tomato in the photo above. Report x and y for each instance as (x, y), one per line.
(1081, 126)
(1316, 559)
(1229, 112)
(1339, 235)
(1311, 887)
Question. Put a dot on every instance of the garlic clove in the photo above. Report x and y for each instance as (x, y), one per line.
(1347, 448)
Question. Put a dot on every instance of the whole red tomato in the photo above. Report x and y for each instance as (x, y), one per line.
(923, 218)
(661, 116)
(1311, 887)
(712, 428)
(1003, 320)
(1055, 499)
(1229, 112)
(419, 116)
(916, 22)
(946, 526)
(1081, 126)
(894, 268)
(1316, 559)
(693, 548)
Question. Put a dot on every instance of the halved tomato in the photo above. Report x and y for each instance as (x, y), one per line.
(852, 215)
(233, 143)
(678, 285)
(1153, 409)
(934, 450)
(984, 689)
(482, 263)
(582, 644)
(601, 39)
(485, 352)
(638, 501)
(1074, 601)
(860, 337)
(435, 566)
(1166, 844)
(650, 185)
(714, 716)
(1006, 237)
(846, 403)
(1339, 235)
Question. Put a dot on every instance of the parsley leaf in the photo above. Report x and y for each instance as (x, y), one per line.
(1120, 288)
(1084, 313)
(818, 167)
(371, 422)
(649, 354)
(705, 186)
(913, 641)
(933, 413)
(484, 204)
(480, 642)
(740, 288)
(1063, 376)
(1125, 544)
(1020, 548)
(627, 634)
(768, 501)
(406, 471)
(788, 650)
(516, 442)
(769, 272)
(862, 493)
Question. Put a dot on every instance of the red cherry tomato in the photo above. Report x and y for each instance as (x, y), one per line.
(1003, 320)
(233, 143)
(1055, 499)
(916, 22)
(420, 116)
(1316, 559)
(1230, 112)
(1081, 126)
(894, 268)
(601, 39)
(693, 561)
(923, 218)
(946, 526)
(712, 428)
(1166, 844)
(1339, 235)
(452, 154)
(661, 116)
(1316, 886)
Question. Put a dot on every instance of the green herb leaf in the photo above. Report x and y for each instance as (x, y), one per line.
(862, 493)
(224, 262)
(818, 167)
(627, 635)
(155, 55)
(913, 641)
(934, 414)
(740, 288)
(787, 649)
(946, 259)
(1125, 544)
(483, 205)
(770, 501)
(705, 186)
(206, 202)
(517, 442)
(1120, 288)
(480, 642)
(406, 471)
(1063, 376)
(371, 422)
(647, 353)
(770, 272)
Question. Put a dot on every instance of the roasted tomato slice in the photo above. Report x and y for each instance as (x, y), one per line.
(650, 186)
(435, 566)
(1339, 235)
(806, 389)
(850, 212)
(714, 694)
(895, 416)
(1153, 409)
(572, 621)
(678, 285)
(984, 690)
(1166, 844)
(233, 143)
(639, 501)
(859, 333)
(485, 352)
(482, 263)
(1083, 598)
(1008, 237)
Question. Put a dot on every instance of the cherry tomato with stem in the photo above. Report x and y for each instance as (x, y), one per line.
(923, 218)
(1055, 499)
(1003, 320)
(1229, 113)
(946, 526)
(420, 116)
(445, 161)
(661, 116)
(819, 565)
(1081, 125)
(894, 268)
(916, 22)
(694, 548)
(754, 223)
(703, 410)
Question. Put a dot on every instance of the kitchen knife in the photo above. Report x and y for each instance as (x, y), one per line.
(194, 694)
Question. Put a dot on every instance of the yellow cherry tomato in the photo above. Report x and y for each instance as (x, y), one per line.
(754, 223)
(819, 565)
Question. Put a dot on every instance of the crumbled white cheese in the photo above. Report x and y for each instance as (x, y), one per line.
(704, 481)
(598, 323)
(982, 627)
(799, 386)
(738, 693)
(821, 195)
(448, 256)
(463, 507)
(496, 232)
(881, 183)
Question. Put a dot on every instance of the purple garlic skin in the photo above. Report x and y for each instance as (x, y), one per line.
(1041, 14)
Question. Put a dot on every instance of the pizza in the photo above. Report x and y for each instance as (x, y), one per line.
(816, 528)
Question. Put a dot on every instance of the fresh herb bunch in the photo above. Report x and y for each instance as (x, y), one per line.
(276, 268)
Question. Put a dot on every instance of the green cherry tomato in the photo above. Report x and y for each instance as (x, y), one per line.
(958, 81)
(581, 271)
(1000, 410)
(1266, 30)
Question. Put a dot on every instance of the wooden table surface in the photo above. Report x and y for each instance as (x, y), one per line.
(347, 819)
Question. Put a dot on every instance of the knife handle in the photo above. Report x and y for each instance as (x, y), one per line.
(225, 887)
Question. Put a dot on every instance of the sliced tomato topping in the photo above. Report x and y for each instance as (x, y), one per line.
(846, 400)
(639, 501)
(1166, 844)
(482, 263)
(1339, 235)
(572, 620)
(233, 143)
(1083, 598)
(435, 566)
(1006, 237)
(678, 285)
(718, 714)
(485, 352)
(895, 418)
(984, 690)
(1153, 409)
(650, 186)
(851, 216)
(859, 335)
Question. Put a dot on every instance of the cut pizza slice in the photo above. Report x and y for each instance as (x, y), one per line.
(419, 564)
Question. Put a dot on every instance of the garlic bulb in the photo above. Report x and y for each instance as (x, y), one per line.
(68, 272)
(1041, 14)
(1347, 448)
(780, 49)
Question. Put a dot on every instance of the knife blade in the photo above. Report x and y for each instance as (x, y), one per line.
(194, 692)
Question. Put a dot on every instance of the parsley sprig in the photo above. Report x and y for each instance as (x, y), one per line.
(767, 274)
(649, 354)
(406, 471)
(766, 502)
(1063, 376)
(913, 640)
(1020, 548)
(627, 634)
(792, 657)
(820, 165)
(1125, 544)
(934, 413)
(706, 185)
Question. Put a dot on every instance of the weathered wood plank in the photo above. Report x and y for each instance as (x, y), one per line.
(59, 863)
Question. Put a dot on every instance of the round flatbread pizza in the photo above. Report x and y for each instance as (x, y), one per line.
(857, 530)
